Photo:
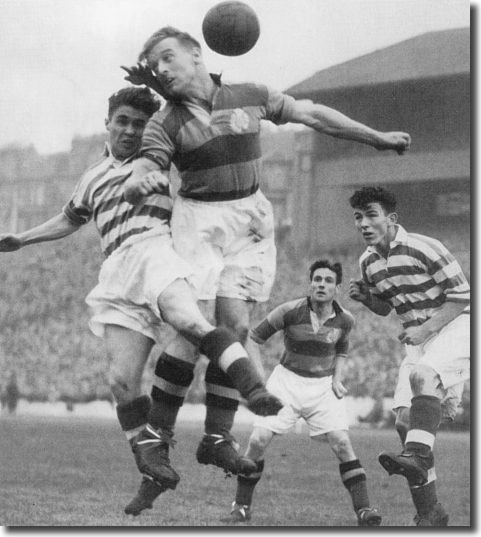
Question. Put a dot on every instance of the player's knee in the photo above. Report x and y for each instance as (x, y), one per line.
(240, 329)
(340, 445)
(259, 439)
(122, 387)
(424, 380)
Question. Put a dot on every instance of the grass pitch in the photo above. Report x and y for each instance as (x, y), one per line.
(79, 472)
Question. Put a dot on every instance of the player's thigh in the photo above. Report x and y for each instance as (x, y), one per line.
(179, 308)
(198, 235)
(403, 393)
(324, 412)
(449, 352)
(233, 313)
(128, 352)
(250, 255)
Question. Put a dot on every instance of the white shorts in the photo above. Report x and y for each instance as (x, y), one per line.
(309, 398)
(448, 354)
(131, 280)
(230, 243)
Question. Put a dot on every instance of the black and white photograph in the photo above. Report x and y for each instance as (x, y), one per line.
(235, 253)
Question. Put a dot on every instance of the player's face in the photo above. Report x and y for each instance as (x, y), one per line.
(126, 127)
(175, 65)
(375, 224)
(323, 285)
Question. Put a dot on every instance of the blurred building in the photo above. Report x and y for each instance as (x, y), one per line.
(35, 187)
(422, 86)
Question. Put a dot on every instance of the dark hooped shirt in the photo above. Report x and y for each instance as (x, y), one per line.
(310, 347)
(217, 152)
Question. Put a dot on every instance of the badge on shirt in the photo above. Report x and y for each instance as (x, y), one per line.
(329, 335)
(239, 121)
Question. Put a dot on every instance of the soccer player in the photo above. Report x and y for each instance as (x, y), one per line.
(142, 283)
(221, 223)
(309, 381)
(418, 277)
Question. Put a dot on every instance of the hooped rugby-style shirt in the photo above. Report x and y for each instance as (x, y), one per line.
(100, 195)
(217, 152)
(310, 347)
(417, 277)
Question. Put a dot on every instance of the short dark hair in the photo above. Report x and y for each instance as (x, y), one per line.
(165, 32)
(324, 263)
(373, 194)
(139, 98)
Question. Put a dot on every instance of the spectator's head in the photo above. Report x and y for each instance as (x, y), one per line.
(374, 215)
(325, 278)
(176, 59)
(129, 110)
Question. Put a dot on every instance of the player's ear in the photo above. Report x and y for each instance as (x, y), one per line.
(197, 54)
(107, 123)
(393, 217)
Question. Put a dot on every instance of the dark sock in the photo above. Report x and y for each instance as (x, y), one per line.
(425, 415)
(221, 401)
(245, 376)
(246, 485)
(354, 479)
(163, 416)
(424, 497)
(172, 380)
(134, 414)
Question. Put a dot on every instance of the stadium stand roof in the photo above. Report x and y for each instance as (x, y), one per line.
(444, 53)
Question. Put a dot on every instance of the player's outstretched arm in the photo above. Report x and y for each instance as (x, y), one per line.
(359, 291)
(56, 228)
(146, 179)
(329, 121)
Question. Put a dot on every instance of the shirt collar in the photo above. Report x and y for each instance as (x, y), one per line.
(401, 237)
(215, 78)
(336, 308)
(107, 153)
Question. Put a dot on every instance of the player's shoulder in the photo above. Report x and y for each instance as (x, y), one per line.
(425, 244)
(170, 108)
(91, 173)
(247, 93)
(367, 257)
(168, 120)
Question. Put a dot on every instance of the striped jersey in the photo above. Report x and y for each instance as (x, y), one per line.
(217, 152)
(418, 276)
(310, 347)
(100, 195)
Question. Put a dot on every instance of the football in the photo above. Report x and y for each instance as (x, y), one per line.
(231, 28)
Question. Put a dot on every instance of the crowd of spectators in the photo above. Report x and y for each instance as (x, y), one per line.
(45, 341)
